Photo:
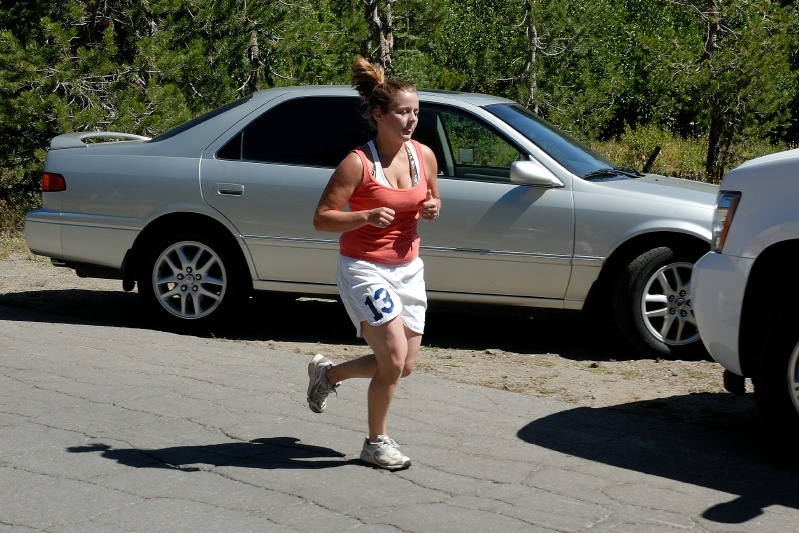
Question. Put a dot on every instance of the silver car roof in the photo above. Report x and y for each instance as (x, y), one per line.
(345, 90)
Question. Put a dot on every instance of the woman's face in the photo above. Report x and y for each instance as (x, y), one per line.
(401, 116)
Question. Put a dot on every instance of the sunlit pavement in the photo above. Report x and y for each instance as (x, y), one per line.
(115, 429)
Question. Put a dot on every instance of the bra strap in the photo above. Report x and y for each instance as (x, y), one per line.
(379, 175)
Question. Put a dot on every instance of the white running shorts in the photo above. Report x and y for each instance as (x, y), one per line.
(377, 293)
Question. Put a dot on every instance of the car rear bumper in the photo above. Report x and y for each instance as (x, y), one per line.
(85, 239)
(43, 233)
(718, 286)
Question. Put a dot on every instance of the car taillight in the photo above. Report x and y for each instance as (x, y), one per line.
(726, 203)
(52, 182)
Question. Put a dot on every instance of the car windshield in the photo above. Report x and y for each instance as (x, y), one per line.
(576, 157)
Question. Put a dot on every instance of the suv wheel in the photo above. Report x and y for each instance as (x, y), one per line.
(188, 282)
(777, 385)
(652, 304)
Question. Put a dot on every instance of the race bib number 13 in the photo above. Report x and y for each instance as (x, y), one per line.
(380, 303)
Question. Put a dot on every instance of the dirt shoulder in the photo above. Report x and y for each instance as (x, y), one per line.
(558, 358)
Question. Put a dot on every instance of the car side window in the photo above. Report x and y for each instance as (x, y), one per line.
(308, 131)
(465, 146)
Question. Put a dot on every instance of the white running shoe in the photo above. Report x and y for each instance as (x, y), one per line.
(318, 385)
(384, 452)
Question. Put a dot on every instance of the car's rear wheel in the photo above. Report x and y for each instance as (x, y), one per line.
(189, 282)
(652, 305)
(777, 384)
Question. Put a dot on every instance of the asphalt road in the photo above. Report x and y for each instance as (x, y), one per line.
(110, 426)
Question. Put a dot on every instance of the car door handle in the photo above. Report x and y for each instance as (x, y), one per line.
(229, 189)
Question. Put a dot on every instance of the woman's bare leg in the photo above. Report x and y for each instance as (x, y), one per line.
(396, 349)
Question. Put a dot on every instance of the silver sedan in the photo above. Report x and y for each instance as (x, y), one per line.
(222, 205)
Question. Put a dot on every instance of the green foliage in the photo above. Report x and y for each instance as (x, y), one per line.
(676, 156)
(735, 86)
(627, 74)
(680, 157)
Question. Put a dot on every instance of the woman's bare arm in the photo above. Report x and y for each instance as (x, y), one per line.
(329, 215)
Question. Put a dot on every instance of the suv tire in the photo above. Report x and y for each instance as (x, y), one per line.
(778, 377)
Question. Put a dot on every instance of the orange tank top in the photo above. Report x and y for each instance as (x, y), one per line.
(398, 243)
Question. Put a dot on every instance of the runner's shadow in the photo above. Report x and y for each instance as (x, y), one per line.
(736, 457)
(267, 453)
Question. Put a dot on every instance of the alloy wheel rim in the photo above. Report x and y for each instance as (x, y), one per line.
(793, 377)
(189, 280)
(667, 307)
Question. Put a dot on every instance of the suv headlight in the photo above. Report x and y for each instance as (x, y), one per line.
(726, 203)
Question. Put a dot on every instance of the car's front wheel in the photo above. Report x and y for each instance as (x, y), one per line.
(188, 282)
(777, 383)
(652, 303)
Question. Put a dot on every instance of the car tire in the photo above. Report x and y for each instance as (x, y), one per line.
(652, 307)
(777, 383)
(189, 282)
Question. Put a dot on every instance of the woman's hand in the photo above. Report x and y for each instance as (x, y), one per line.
(430, 207)
(380, 217)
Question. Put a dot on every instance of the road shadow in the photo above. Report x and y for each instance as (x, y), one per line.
(282, 317)
(287, 317)
(75, 306)
(736, 457)
(266, 453)
(448, 326)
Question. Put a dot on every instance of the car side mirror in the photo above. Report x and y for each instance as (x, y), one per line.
(533, 173)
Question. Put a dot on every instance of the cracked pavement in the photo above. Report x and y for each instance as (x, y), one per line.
(122, 429)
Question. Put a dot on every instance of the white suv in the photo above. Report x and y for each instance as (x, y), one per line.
(744, 296)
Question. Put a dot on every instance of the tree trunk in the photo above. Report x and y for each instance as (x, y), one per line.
(254, 57)
(381, 31)
(719, 134)
(532, 48)
(717, 137)
(712, 15)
